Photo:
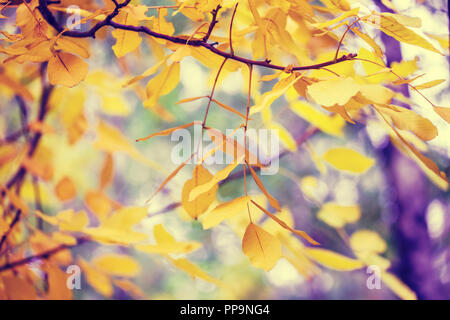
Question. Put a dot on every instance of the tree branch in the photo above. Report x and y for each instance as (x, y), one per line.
(213, 23)
(48, 16)
(43, 255)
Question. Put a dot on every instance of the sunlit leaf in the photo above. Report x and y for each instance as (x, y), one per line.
(348, 160)
(262, 248)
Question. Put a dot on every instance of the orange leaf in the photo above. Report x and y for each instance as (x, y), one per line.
(261, 247)
(65, 189)
(168, 131)
(66, 69)
(224, 106)
(173, 174)
(106, 174)
(190, 99)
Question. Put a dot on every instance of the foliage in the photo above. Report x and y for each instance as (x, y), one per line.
(49, 209)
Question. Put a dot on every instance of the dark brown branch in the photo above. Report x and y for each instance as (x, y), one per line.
(11, 226)
(213, 23)
(19, 176)
(43, 255)
(48, 16)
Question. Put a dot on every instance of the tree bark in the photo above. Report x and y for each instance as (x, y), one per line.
(409, 192)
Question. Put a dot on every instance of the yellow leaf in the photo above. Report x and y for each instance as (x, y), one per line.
(442, 39)
(348, 160)
(166, 243)
(162, 84)
(117, 265)
(277, 91)
(232, 147)
(285, 136)
(194, 271)
(73, 45)
(406, 119)
(168, 131)
(262, 248)
(67, 220)
(429, 84)
(201, 188)
(126, 41)
(331, 124)
(146, 73)
(405, 20)
(394, 28)
(98, 280)
(212, 60)
(333, 91)
(398, 287)
(367, 241)
(110, 139)
(228, 108)
(369, 41)
(376, 93)
(338, 216)
(200, 204)
(118, 227)
(66, 69)
(224, 211)
(444, 113)
(333, 260)
(426, 164)
(114, 103)
(190, 99)
(343, 16)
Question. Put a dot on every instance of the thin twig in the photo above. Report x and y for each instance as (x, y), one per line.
(213, 23)
(231, 29)
(243, 173)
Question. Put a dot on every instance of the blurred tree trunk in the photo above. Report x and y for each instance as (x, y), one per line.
(409, 192)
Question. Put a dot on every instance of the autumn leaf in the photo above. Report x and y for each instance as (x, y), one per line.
(262, 248)
(348, 160)
(66, 69)
(162, 84)
(333, 260)
(394, 26)
(117, 265)
(65, 189)
(201, 202)
(334, 91)
(338, 216)
(194, 271)
(406, 119)
(166, 243)
(224, 211)
(126, 41)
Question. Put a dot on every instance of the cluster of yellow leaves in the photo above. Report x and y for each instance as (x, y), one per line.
(341, 94)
